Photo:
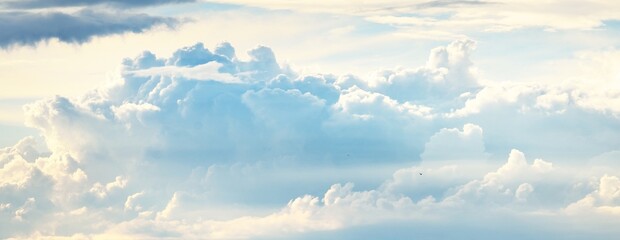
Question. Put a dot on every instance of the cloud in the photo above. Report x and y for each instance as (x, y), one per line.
(30, 28)
(35, 4)
(448, 73)
(440, 3)
(208, 71)
(605, 199)
(33, 185)
(275, 112)
(505, 183)
(450, 143)
(536, 108)
(162, 153)
(504, 197)
(446, 20)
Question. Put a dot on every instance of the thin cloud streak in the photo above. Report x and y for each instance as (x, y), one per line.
(37, 4)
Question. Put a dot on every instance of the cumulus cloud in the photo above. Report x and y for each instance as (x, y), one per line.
(277, 114)
(505, 183)
(605, 199)
(206, 144)
(536, 108)
(274, 113)
(30, 28)
(448, 74)
(32, 185)
(503, 196)
(450, 143)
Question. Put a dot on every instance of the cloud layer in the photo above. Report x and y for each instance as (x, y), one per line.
(205, 144)
(520, 193)
(447, 20)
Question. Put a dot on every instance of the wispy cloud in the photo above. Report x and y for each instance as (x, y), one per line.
(38, 4)
(461, 17)
(29, 28)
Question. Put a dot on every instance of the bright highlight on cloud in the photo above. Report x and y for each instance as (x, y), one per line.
(205, 144)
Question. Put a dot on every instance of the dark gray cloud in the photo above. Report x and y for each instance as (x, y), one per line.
(26, 28)
(29, 4)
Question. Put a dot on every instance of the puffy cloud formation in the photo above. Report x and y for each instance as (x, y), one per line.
(448, 73)
(454, 144)
(35, 187)
(199, 102)
(205, 144)
(510, 190)
(605, 199)
(514, 193)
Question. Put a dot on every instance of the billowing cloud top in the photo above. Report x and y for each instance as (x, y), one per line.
(216, 100)
(205, 144)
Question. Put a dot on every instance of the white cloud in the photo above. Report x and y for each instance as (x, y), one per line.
(447, 74)
(131, 203)
(504, 185)
(33, 185)
(16, 172)
(451, 143)
(462, 16)
(141, 107)
(24, 209)
(523, 191)
(553, 101)
(208, 71)
(102, 191)
(605, 199)
(155, 156)
(590, 79)
(342, 207)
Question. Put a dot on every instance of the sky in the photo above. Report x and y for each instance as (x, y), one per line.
(273, 119)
